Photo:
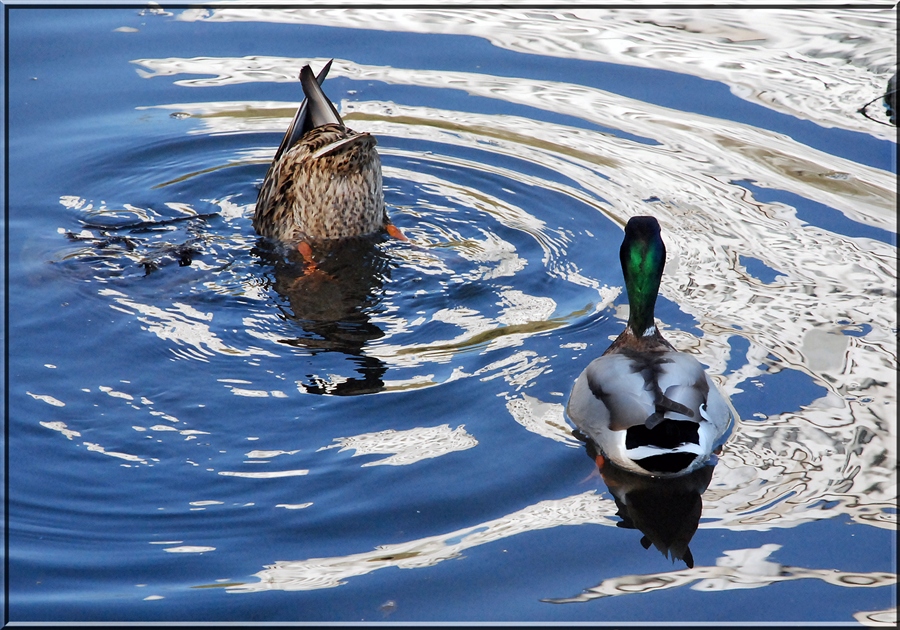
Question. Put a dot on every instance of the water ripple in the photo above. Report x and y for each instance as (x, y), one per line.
(514, 223)
(803, 63)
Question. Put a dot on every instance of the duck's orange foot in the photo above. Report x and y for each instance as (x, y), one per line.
(308, 263)
(395, 232)
(600, 460)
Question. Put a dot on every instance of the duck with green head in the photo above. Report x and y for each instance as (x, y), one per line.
(647, 407)
(324, 182)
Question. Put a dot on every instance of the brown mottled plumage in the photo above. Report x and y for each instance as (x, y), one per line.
(325, 179)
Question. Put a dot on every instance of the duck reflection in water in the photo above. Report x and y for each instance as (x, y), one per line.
(665, 509)
(331, 292)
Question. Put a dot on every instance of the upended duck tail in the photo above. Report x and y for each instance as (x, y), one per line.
(320, 110)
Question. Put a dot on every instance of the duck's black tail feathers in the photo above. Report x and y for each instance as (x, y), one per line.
(320, 110)
(302, 119)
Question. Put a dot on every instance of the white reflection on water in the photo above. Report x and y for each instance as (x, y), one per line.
(803, 63)
(316, 573)
(840, 447)
(545, 419)
(62, 428)
(406, 447)
(715, 147)
(50, 400)
(886, 617)
(835, 455)
(269, 474)
(737, 569)
(183, 325)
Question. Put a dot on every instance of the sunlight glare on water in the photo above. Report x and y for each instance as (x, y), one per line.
(295, 435)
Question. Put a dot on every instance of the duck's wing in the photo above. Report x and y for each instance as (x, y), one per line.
(683, 380)
(636, 406)
(270, 210)
(300, 124)
(646, 389)
(610, 395)
(682, 388)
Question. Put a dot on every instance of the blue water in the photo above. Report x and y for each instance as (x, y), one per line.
(821, 215)
(146, 333)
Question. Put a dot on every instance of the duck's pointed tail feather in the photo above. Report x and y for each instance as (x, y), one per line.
(300, 125)
(688, 558)
(320, 110)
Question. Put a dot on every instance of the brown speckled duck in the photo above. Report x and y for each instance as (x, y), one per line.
(325, 180)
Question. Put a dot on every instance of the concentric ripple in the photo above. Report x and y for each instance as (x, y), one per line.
(511, 271)
(491, 214)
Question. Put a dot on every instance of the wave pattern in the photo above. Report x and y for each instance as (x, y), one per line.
(840, 447)
(829, 313)
(819, 64)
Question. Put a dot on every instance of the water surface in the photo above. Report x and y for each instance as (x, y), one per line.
(196, 432)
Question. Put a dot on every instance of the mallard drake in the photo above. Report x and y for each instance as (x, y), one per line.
(325, 180)
(647, 407)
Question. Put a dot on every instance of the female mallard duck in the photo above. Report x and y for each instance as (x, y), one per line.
(325, 180)
(647, 407)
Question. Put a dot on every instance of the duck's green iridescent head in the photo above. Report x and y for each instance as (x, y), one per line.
(643, 257)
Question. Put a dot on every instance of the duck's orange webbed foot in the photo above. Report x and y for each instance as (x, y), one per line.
(309, 265)
(395, 232)
(311, 271)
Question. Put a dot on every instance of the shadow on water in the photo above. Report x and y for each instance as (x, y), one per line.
(665, 510)
(330, 297)
(327, 299)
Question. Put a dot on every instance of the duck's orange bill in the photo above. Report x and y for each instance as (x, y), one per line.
(394, 231)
